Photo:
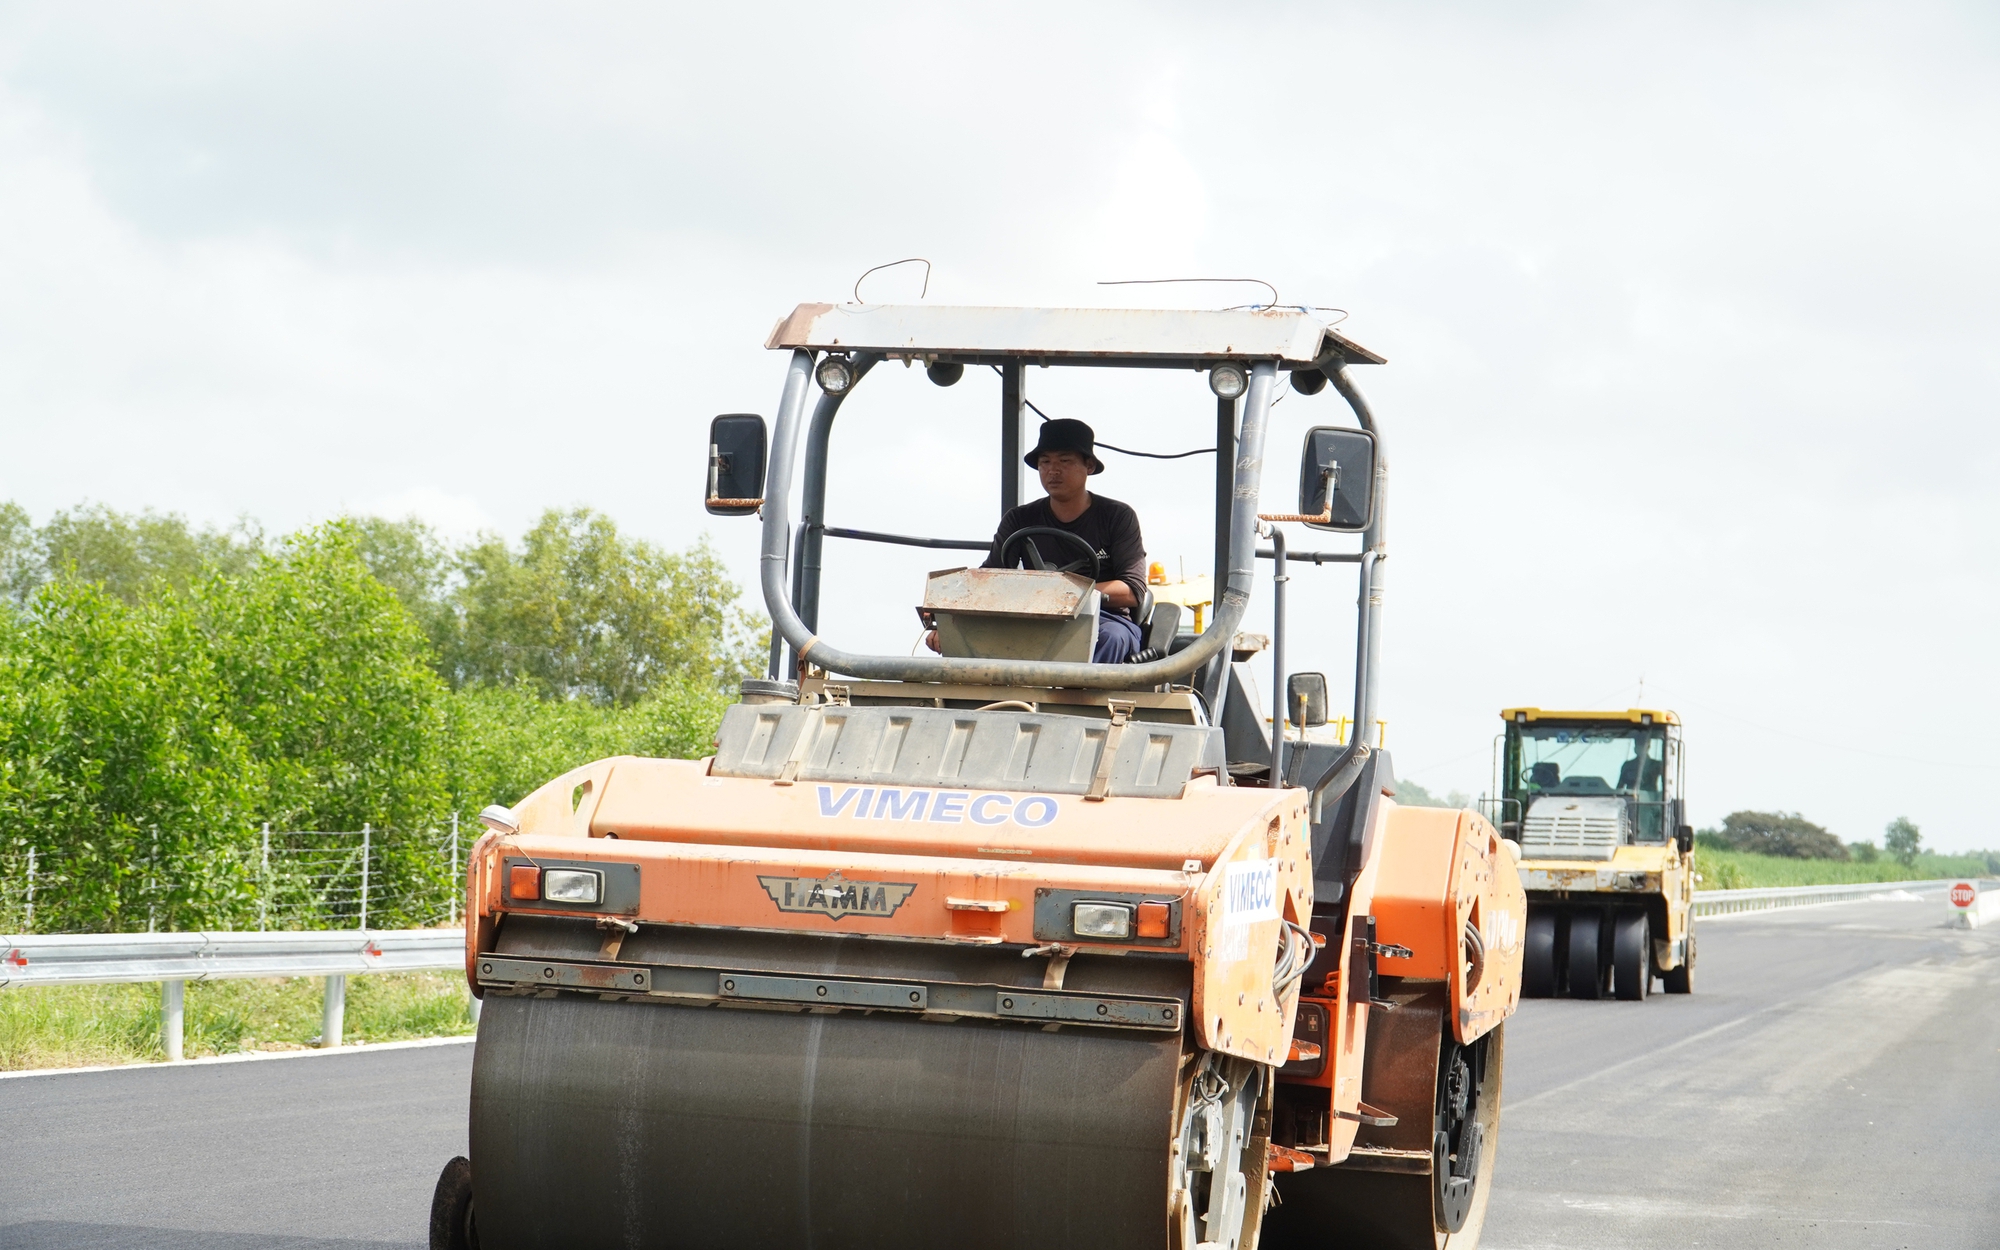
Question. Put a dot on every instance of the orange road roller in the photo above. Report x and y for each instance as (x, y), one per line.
(1012, 945)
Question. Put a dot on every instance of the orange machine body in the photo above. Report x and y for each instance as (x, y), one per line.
(928, 864)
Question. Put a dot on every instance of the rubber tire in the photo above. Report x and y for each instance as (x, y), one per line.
(1632, 955)
(1540, 971)
(1681, 979)
(1586, 953)
(452, 1225)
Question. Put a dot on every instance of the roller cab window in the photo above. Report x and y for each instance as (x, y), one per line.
(1595, 761)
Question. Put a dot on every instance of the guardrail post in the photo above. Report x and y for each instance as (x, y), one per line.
(472, 1008)
(364, 875)
(173, 999)
(333, 1016)
(264, 882)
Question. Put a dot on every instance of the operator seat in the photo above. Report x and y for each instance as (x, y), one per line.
(1546, 775)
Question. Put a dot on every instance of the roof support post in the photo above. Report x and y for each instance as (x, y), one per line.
(1225, 486)
(812, 494)
(1373, 578)
(1013, 407)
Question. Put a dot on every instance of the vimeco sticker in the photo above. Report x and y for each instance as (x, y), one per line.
(836, 898)
(1250, 892)
(937, 807)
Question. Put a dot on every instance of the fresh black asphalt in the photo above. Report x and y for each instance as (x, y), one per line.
(1833, 1082)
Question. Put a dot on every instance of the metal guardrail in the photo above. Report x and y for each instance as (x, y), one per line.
(1731, 902)
(174, 959)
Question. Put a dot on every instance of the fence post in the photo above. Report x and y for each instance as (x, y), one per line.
(333, 1015)
(152, 883)
(454, 874)
(364, 874)
(173, 998)
(264, 882)
(31, 890)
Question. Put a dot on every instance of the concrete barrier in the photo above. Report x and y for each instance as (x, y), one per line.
(1973, 901)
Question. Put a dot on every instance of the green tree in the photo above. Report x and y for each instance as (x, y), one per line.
(120, 765)
(1903, 840)
(1779, 833)
(329, 680)
(408, 557)
(133, 555)
(1864, 852)
(580, 611)
(20, 555)
(507, 741)
(1410, 794)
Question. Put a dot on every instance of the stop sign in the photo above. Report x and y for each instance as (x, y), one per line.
(1962, 894)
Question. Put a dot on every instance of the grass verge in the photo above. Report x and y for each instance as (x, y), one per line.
(70, 1026)
(1741, 870)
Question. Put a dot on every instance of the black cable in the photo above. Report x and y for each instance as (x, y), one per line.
(1125, 451)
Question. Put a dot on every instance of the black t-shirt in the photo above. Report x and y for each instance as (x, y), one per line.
(1111, 528)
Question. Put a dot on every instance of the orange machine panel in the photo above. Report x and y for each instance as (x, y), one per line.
(1262, 880)
(1449, 892)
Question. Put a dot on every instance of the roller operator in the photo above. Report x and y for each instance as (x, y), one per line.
(1066, 458)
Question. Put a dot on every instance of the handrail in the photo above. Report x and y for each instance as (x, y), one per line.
(906, 540)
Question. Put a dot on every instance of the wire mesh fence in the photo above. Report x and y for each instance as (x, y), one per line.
(274, 879)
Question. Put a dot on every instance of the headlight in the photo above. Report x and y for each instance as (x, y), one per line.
(572, 885)
(835, 375)
(1101, 920)
(1227, 381)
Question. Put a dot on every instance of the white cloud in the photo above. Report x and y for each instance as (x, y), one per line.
(1690, 336)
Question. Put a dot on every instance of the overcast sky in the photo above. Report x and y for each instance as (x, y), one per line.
(1689, 312)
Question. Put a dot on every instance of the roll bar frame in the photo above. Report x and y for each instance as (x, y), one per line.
(791, 590)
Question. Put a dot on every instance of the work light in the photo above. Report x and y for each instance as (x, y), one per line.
(1227, 381)
(835, 375)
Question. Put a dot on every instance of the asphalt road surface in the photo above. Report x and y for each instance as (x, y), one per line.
(1834, 1081)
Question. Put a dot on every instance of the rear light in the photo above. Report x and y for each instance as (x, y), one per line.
(524, 881)
(1154, 919)
(571, 885)
(1102, 920)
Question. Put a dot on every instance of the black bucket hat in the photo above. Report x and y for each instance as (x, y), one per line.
(1066, 435)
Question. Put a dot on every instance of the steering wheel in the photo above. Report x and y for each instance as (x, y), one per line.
(1090, 565)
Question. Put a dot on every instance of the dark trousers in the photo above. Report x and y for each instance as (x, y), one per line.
(1118, 639)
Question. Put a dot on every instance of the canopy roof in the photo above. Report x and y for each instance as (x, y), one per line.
(1632, 714)
(1079, 335)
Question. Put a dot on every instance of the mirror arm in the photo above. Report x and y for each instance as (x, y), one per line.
(1326, 484)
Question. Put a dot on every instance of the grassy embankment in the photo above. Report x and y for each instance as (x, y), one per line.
(1737, 870)
(66, 1026)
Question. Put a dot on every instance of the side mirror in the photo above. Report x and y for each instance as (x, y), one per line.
(736, 448)
(1337, 479)
(1305, 695)
(1684, 838)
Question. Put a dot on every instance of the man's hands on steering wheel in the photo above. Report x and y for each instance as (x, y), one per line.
(1090, 564)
